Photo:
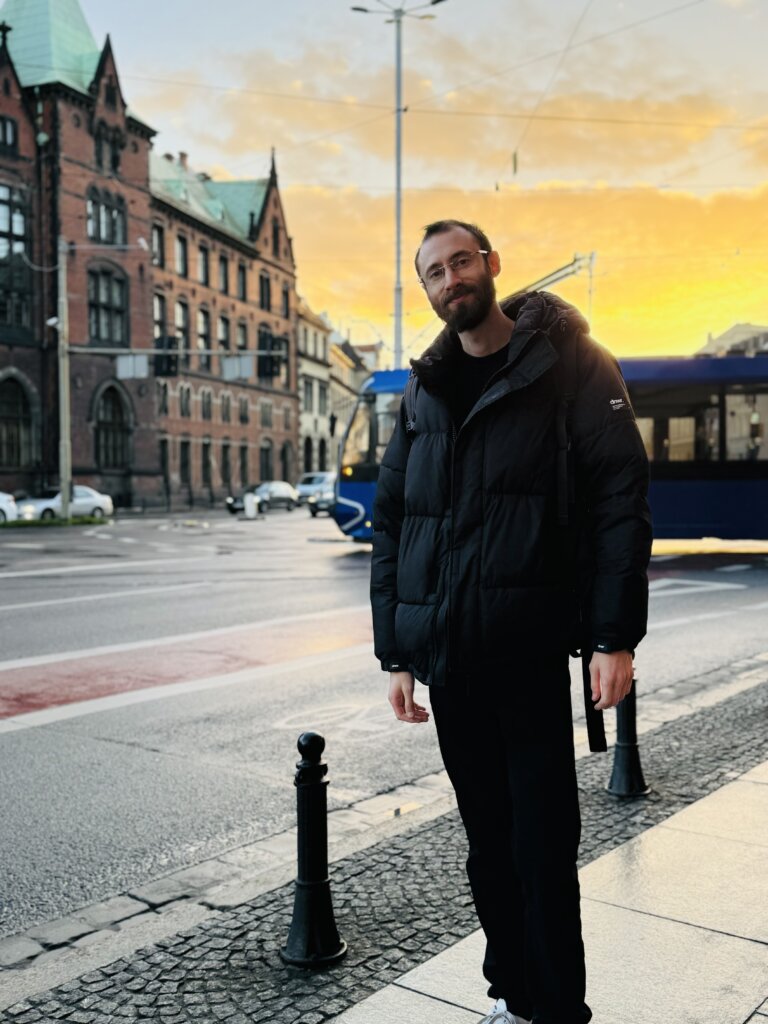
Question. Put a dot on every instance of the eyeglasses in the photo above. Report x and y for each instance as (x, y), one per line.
(458, 264)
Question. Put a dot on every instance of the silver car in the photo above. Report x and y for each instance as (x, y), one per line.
(85, 501)
(8, 511)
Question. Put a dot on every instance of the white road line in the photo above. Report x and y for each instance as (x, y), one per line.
(675, 586)
(102, 597)
(122, 564)
(704, 616)
(121, 700)
(733, 568)
(165, 641)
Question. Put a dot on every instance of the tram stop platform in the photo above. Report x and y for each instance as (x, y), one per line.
(675, 926)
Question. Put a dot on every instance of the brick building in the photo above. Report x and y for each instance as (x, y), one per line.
(155, 257)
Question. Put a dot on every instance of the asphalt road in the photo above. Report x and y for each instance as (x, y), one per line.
(211, 643)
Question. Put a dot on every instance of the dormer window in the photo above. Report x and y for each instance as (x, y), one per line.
(110, 94)
(275, 237)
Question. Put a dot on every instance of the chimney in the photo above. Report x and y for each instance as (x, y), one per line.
(183, 160)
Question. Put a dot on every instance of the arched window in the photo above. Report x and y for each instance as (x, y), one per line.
(112, 432)
(206, 403)
(308, 467)
(15, 426)
(185, 400)
(108, 306)
(322, 455)
(226, 407)
(266, 460)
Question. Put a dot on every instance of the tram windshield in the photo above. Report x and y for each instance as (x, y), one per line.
(371, 428)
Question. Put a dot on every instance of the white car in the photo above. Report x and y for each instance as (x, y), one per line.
(8, 510)
(84, 502)
(314, 483)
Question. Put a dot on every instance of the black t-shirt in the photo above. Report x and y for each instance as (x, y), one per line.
(472, 374)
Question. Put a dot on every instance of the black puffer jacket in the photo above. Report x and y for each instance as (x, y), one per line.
(470, 567)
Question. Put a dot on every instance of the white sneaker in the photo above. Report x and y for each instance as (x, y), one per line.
(501, 1015)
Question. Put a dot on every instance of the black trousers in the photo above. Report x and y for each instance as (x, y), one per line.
(507, 744)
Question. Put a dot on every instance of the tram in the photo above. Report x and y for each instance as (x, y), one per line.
(702, 420)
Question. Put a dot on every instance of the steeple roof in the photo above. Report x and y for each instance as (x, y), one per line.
(51, 42)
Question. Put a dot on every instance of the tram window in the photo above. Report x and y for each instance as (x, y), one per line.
(746, 413)
(678, 424)
(387, 411)
(357, 448)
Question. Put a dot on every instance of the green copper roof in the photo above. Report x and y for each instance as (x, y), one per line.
(51, 42)
(227, 205)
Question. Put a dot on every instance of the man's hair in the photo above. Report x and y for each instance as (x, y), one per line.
(439, 227)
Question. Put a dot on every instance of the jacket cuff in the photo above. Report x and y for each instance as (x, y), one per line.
(610, 647)
(394, 665)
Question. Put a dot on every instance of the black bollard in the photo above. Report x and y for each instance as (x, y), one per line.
(313, 939)
(627, 775)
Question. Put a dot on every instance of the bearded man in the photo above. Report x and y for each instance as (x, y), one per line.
(475, 592)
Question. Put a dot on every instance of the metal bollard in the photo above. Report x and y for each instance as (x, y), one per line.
(313, 939)
(627, 775)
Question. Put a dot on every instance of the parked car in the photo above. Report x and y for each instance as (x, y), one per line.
(278, 493)
(322, 501)
(8, 510)
(236, 504)
(312, 483)
(85, 501)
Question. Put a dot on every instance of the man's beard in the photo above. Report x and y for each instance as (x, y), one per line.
(466, 315)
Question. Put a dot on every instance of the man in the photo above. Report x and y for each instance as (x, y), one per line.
(473, 589)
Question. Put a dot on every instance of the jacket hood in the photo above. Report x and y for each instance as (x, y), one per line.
(533, 313)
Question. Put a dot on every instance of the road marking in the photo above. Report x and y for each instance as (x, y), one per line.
(48, 716)
(739, 567)
(21, 546)
(100, 597)
(123, 564)
(164, 641)
(674, 586)
(686, 620)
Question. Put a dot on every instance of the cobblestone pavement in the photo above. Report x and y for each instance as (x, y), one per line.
(397, 903)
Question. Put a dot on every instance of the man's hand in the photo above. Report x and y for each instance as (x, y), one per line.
(611, 676)
(401, 698)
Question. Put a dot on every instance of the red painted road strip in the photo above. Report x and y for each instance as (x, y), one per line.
(44, 686)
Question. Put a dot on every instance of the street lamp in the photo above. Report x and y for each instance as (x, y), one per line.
(397, 15)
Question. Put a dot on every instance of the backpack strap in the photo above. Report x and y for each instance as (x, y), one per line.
(411, 388)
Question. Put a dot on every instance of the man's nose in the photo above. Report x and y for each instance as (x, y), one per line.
(451, 276)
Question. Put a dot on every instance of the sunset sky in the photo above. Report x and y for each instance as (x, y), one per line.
(641, 128)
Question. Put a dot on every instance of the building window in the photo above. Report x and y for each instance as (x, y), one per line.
(322, 399)
(286, 417)
(112, 432)
(305, 339)
(243, 465)
(203, 265)
(204, 340)
(286, 301)
(185, 463)
(99, 142)
(265, 291)
(266, 460)
(309, 393)
(266, 414)
(224, 275)
(308, 467)
(106, 218)
(110, 94)
(158, 318)
(162, 397)
(226, 465)
(275, 237)
(15, 426)
(9, 136)
(182, 331)
(242, 337)
(226, 408)
(158, 246)
(107, 306)
(182, 256)
(206, 404)
(242, 282)
(205, 452)
(15, 277)
(243, 409)
(322, 455)
(185, 401)
(224, 336)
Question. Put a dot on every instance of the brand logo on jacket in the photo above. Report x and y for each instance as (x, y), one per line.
(618, 403)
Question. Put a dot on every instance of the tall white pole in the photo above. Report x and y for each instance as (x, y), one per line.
(65, 422)
(398, 17)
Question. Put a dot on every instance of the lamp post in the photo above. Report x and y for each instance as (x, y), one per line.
(396, 16)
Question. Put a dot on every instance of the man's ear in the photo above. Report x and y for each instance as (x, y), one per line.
(494, 263)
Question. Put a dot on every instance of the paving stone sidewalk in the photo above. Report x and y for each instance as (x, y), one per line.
(397, 903)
